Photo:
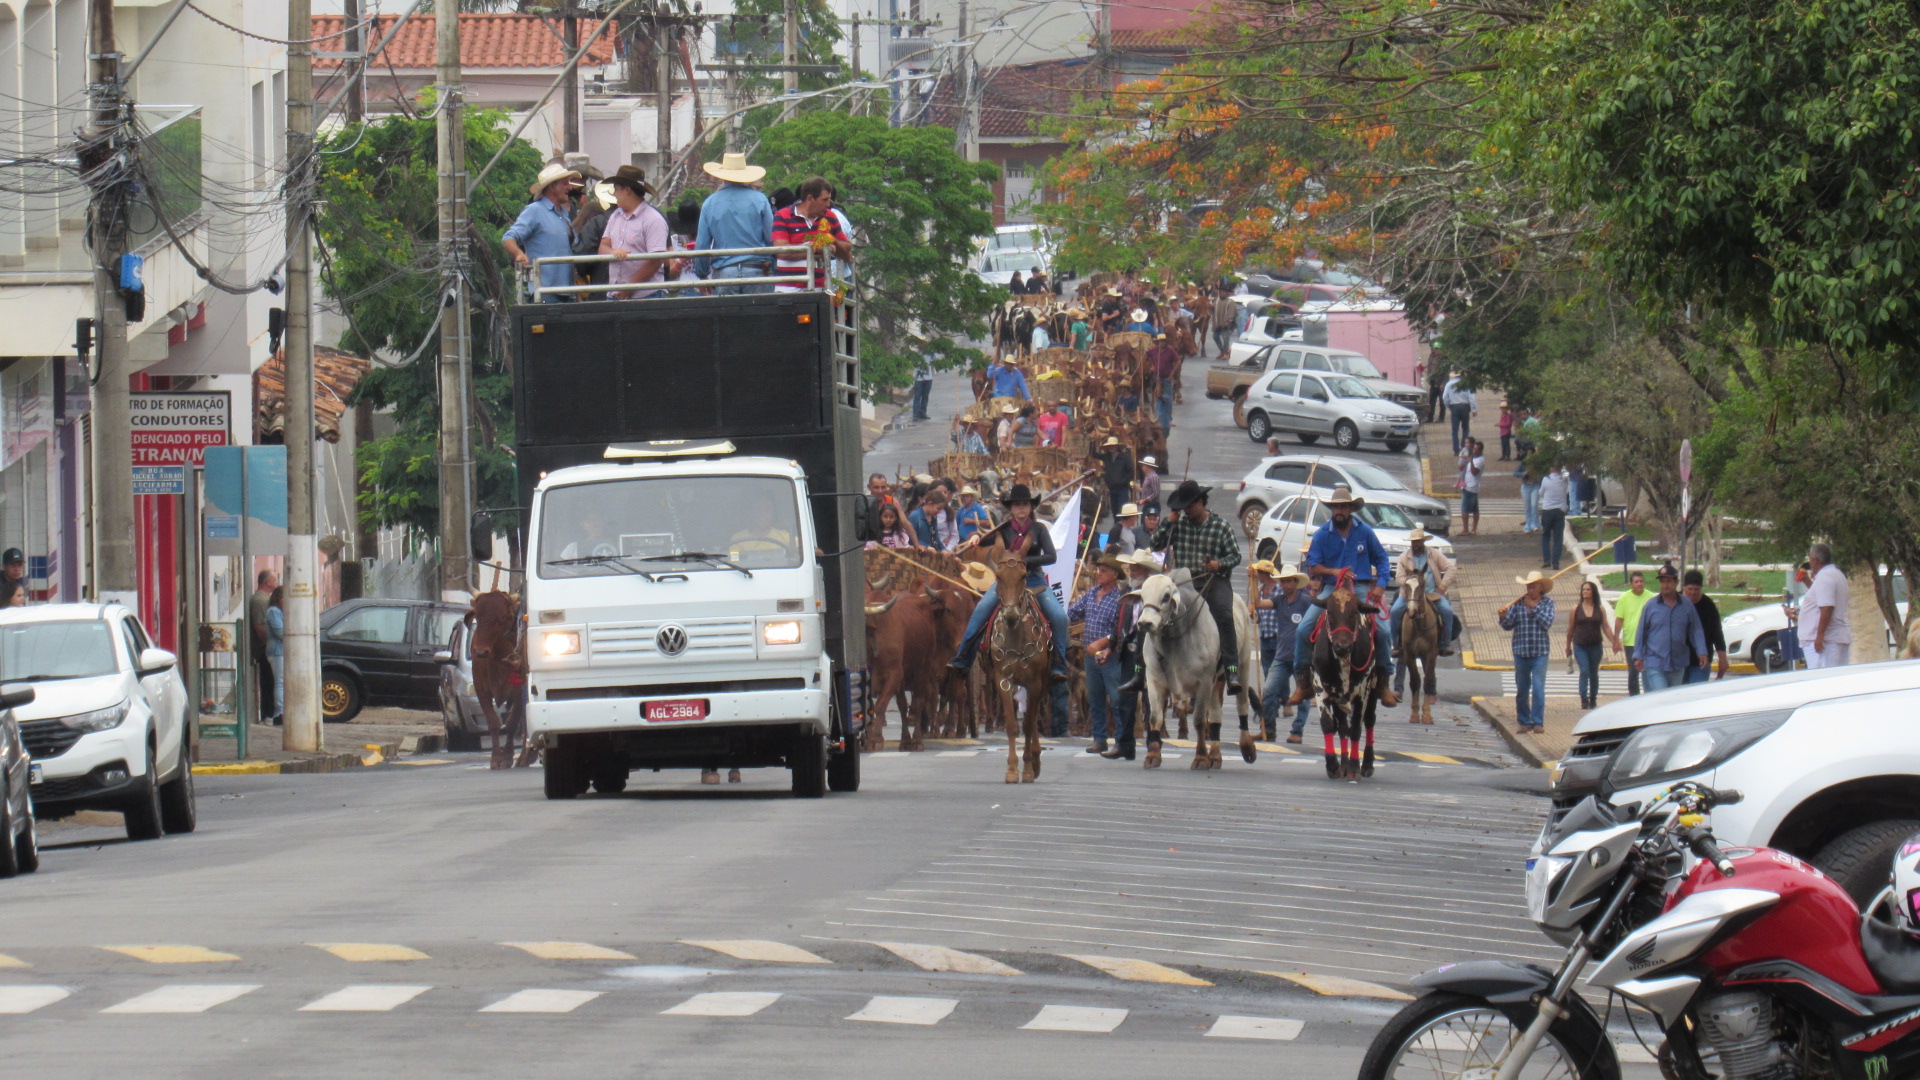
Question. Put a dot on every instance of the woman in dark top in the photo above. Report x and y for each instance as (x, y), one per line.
(1591, 622)
(1693, 587)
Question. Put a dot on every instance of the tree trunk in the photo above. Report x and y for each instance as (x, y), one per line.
(1715, 525)
(1868, 620)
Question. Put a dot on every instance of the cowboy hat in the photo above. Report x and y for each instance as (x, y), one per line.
(633, 176)
(1419, 533)
(1288, 570)
(1009, 410)
(923, 478)
(1019, 493)
(1142, 558)
(1344, 496)
(1265, 566)
(1111, 441)
(1188, 493)
(1112, 291)
(1112, 562)
(977, 576)
(734, 169)
(1532, 576)
(1159, 337)
(1129, 510)
(1138, 315)
(969, 489)
(553, 172)
(1150, 461)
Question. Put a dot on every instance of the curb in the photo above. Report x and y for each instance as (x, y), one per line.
(1520, 748)
(371, 754)
(1467, 661)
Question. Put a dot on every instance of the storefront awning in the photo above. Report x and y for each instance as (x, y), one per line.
(335, 374)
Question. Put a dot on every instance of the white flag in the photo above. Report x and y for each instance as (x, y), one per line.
(1066, 541)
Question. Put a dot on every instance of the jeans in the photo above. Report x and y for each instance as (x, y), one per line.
(1449, 625)
(1163, 408)
(1462, 418)
(1103, 695)
(1633, 673)
(1506, 448)
(1530, 690)
(1303, 635)
(1588, 657)
(922, 389)
(1274, 694)
(1661, 680)
(1698, 674)
(739, 271)
(1530, 501)
(1553, 536)
(279, 665)
(1049, 606)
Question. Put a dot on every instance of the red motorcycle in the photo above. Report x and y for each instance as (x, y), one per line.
(1753, 964)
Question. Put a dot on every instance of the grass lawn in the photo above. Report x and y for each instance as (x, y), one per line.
(1593, 531)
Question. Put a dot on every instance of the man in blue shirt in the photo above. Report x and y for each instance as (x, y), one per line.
(544, 230)
(1285, 608)
(1007, 379)
(1099, 609)
(736, 216)
(1670, 638)
(1344, 543)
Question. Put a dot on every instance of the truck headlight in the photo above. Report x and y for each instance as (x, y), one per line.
(780, 633)
(560, 642)
(97, 720)
(1665, 751)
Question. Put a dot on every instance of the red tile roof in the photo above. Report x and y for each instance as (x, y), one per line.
(1172, 39)
(486, 41)
(1019, 98)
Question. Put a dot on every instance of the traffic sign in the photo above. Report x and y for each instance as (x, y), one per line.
(159, 479)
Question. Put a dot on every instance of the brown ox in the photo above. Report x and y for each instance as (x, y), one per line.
(499, 673)
(903, 657)
(953, 606)
(1343, 671)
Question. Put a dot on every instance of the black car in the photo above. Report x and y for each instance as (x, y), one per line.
(19, 842)
(381, 652)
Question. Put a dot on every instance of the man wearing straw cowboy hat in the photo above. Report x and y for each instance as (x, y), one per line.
(1530, 619)
(1282, 607)
(633, 226)
(1345, 543)
(544, 229)
(736, 216)
(1099, 610)
(1438, 570)
(1140, 566)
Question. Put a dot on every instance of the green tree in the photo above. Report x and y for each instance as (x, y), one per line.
(916, 207)
(379, 240)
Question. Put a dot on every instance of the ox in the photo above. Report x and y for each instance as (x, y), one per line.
(1343, 662)
(499, 673)
(902, 652)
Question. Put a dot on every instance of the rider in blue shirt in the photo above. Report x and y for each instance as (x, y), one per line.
(1345, 543)
(1007, 380)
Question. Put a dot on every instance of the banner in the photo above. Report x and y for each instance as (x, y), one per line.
(1066, 541)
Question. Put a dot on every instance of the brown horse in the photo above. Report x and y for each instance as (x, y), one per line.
(499, 673)
(1343, 661)
(1021, 647)
(1420, 634)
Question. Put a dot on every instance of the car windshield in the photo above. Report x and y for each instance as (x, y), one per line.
(1373, 477)
(1355, 365)
(1002, 261)
(1346, 386)
(1382, 516)
(76, 649)
(670, 524)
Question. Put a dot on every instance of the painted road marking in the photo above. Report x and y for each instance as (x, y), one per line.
(171, 954)
(195, 998)
(370, 954)
(1075, 1018)
(1255, 1027)
(722, 1004)
(769, 952)
(567, 950)
(1138, 970)
(365, 999)
(13, 962)
(542, 1001)
(906, 1010)
(426, 761)
(15, 1000)
(958, 753)
(1336, 986)
(941, 958)
(1431, 759)
(886, 753)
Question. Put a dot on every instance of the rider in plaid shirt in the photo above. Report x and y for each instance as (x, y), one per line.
(1203, 543)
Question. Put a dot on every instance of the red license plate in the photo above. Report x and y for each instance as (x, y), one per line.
(690, 709)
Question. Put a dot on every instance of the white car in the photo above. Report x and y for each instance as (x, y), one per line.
(1277, 478)
(1828, 761)
(107, 726)
(1289, 527)
(1293, 353)
(1309, 404)
(1753, 634)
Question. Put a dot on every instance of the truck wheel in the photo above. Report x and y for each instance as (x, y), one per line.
(609, 773)
(808, 760)
(843, 769)
(1857, 860)
(1258, 427)
(1250, 516)
(1240, 408)
(561, 775)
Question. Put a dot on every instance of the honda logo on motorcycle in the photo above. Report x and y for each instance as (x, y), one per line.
(671, 640)
(1643, 956)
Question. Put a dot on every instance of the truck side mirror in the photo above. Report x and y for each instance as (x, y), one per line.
(480, 536)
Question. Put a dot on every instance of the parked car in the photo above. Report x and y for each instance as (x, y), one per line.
(1309, 405)
(381, 652)
(1289, 527)
(1276, 478)
(1753, 634)
(459, 705)
(1246, 363)
(1827, 760)
(107, 726)
(19, 837)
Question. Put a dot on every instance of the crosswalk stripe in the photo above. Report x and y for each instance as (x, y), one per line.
(13, 962)
(1138, 970)
(906, 1010)
(1431, 759)
(425, 761)
(958, 753)
(567, 950)
(941, 958)
(1255, 1027)
(372, 954)
(542, 1001)
(770, 952)
(171, 954)
(722, 1003)
(184, 998)
(16, 1000)
(1075, 1018)
(365, 999)
(1337, 986)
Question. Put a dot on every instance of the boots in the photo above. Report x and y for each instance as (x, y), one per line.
(1130, 652)
(1303, 687)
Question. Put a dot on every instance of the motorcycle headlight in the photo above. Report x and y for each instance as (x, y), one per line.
(1542, 871)
(1665, 751)
(97, 720)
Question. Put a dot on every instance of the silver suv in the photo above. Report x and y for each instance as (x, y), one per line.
(1310, 404)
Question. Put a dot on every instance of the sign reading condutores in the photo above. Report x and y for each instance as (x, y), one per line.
(176, 428)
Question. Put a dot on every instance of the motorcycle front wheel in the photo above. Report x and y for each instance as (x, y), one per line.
(1448, 1036)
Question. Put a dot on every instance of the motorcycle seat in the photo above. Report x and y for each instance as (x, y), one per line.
(1892, 956)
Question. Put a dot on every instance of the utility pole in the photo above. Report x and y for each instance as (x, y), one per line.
(663, 31)
(854, 102)
(116, 570)
(570, 86)
(968, 137)
(790, 80)
(456, 439)
(302, 725)
(356, 66)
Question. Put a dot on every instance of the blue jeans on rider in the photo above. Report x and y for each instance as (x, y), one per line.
(1056, 615)
(1103, 695)
(1399, 615)
(1163, 408)
(1303, 635)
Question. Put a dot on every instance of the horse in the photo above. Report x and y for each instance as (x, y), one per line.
(499, 673)
(1343, 662)
(1420, 635)
(1181, 652)
(1020, 643)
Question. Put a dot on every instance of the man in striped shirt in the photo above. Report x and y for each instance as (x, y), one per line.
(809, 216)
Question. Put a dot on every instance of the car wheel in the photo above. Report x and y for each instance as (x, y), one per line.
(26, 850)
(1266, 549)
(339, 696)
(1345, 435)
(177, 811)
(1250, 516)
(9, 854)
(143, 810)
(1396, 445)
(1308, 439)
(808, 760)
(1258, 427)
(1766, 654)
(1857, 859)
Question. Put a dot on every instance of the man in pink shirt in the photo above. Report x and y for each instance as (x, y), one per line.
(1053, 425)
(633, 226)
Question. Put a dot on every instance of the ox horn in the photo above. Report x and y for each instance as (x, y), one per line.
(883, 608)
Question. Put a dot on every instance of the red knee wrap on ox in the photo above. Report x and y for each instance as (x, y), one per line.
(1369, 738)
(1328, 736)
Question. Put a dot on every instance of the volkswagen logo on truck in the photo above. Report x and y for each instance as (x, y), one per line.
(671, 640)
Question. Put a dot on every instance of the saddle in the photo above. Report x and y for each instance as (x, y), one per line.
(1033, 603)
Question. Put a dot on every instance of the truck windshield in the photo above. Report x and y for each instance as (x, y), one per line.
(1356, 365)
(670, 524)
(1346, 387)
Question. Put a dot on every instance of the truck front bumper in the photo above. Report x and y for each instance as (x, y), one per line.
(723, 710)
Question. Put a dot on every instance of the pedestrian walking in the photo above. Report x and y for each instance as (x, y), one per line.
(1164, 360)
(807, 220)
(1826, 634)
(1626, 623)
(1475, 465)
(1530, 619)
(1279, 610)
(735, 216)
(1505, 427)
(277, 649)
(1098, 610)
(1462, 407)
(257, 604)
(1226, 315)
(1150, 487)
(1139, 566)
(1436, 392)
(544, 230)
(1556, 493)
(922, 385)
(633, 227)
(1529, 496)
(1590, 626)
(1693, 586)
(1669, 639)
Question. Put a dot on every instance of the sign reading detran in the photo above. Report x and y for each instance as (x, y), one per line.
(175, 428)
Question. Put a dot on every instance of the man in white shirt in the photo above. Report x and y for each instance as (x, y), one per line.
(1826, 636)
(1555, 493)
(1462, 407)
(1470, 490)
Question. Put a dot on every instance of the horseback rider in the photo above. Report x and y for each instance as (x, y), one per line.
(1028, 535)
(1434, 565)
(1203, 544)
(1344, 543)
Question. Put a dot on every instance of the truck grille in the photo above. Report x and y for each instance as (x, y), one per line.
(47, 738)
(1411, 401)
(1598, 744)
(686, 689)
(707, 639)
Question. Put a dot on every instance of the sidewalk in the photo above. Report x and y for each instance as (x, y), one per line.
(1489, 562)
(375, 736)
(1550, 745)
